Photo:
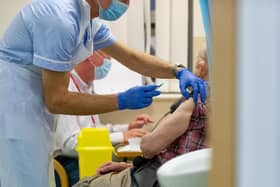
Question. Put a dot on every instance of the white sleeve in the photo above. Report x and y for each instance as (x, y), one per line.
(66, 134)
(116, 132)
(117, 127)
(116, 137)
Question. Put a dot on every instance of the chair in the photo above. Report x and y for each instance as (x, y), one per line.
(61, 173)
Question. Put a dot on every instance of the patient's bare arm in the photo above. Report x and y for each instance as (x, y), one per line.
(168, 130)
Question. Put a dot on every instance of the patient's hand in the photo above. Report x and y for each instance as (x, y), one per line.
(112, 167)
(140, 121)
(134, 133)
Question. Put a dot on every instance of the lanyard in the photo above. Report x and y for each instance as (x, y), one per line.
(79, 90)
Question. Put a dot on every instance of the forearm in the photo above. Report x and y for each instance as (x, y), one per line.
(83, 104)
(168, 130)
(141, 62)
(61, 101)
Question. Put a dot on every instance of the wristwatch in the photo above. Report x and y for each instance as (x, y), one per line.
(175, 68)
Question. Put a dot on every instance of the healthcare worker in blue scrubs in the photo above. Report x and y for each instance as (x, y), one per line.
(38, 50)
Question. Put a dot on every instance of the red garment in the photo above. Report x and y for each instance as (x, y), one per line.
(193, 139)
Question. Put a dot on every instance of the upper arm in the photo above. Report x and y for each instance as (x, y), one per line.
(121, 52)
(55, 86)
(53, 43)
(173, 125)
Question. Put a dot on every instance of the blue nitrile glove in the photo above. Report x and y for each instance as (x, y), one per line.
(188, 79)
(137, 97)
(206, 86)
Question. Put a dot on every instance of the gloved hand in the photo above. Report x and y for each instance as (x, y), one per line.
(137, 97)
(188, 79)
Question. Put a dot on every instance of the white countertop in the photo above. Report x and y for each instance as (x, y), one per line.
(167, 96)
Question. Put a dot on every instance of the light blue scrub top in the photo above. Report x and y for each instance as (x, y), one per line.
(54, 35)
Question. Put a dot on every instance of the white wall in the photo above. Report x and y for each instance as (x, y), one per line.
(198, 30)
(258, 93)
(172, 34)
(8, 10)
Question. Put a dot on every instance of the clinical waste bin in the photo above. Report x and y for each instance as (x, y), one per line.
(94, 148)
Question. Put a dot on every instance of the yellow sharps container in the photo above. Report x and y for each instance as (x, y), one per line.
(94, 149)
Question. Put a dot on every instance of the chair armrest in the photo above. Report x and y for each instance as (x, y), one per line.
(63, 177)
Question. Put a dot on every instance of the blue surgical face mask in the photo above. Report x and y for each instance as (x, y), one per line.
(114, 11)
(101, 71)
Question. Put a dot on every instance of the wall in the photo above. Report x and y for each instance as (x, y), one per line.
(258, 93)
(172, 34)
(8, 10)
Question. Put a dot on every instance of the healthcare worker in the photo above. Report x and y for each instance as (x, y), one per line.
(38, 50)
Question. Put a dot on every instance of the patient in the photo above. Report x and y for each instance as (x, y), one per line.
(178, 133)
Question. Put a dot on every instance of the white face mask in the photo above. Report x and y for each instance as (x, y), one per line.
(102, 71)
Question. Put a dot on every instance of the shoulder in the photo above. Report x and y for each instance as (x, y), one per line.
(97, 24)
(102, 35)
(51, 13)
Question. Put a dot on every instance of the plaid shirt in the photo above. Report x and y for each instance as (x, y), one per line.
(193, 139)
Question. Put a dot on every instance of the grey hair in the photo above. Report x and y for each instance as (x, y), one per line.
(203, 54)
